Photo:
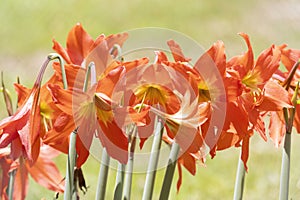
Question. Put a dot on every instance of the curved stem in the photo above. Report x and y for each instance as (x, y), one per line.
(62, 68)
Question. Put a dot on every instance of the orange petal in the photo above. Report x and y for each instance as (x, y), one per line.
(45, 172)
(21, 181)
(267, 63)
(275, 97)
(277, 127)
(246, 59)
(79, 43)
(115, 141)
(177, 52)
(61, 51)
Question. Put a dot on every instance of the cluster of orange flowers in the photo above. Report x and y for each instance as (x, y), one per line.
(104, 105)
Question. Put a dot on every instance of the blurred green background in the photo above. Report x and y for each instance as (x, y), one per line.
(27, 29)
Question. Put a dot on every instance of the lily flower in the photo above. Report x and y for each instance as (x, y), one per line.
(289, 79)
(26, 122)
(92, 114)
(260, 94)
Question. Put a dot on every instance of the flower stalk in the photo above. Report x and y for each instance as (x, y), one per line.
(167, 182)
(70, 189)
(119, 181)
(152, 166)
(129, 170)
(10, 189)
(289, 115)
(103, 174)
(62, 68)
(239, 181)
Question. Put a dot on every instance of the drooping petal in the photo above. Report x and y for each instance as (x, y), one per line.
(275, 97)
(114, 140)
(227, 140)
(21, 181)
(245, 149)
(277, 127)
(45, 172)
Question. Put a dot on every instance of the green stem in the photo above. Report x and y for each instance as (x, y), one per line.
(119, 182)
(152, 166)
(88, 73)
(165, 190)
(62, 68)
(70, 189)
(129, 170)
(10, 189)
(285, 168)
(286, 155)
(239, 181)
(103, 174)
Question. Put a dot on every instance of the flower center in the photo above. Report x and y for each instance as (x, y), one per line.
(204, 94)
(251, 81)
(152, 94)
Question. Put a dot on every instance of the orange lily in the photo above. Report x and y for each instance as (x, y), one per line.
(81, 49)
(289, 58)
(93, 115)
(25, 123)
(260, 94)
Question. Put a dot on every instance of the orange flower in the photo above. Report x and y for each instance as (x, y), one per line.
(92, 113)
(81, 48)
(26, 122)
(289, 58)
(259, 95)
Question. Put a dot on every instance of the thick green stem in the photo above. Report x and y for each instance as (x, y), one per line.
(239, 181)
(10, 189)
(70, 189)
(152, 166)
(103, 174)
(285, 168)
(129, 170)
(165, 190)
(119, 182)
(289, 115)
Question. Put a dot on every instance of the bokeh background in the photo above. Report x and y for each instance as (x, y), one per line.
(26, 32)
